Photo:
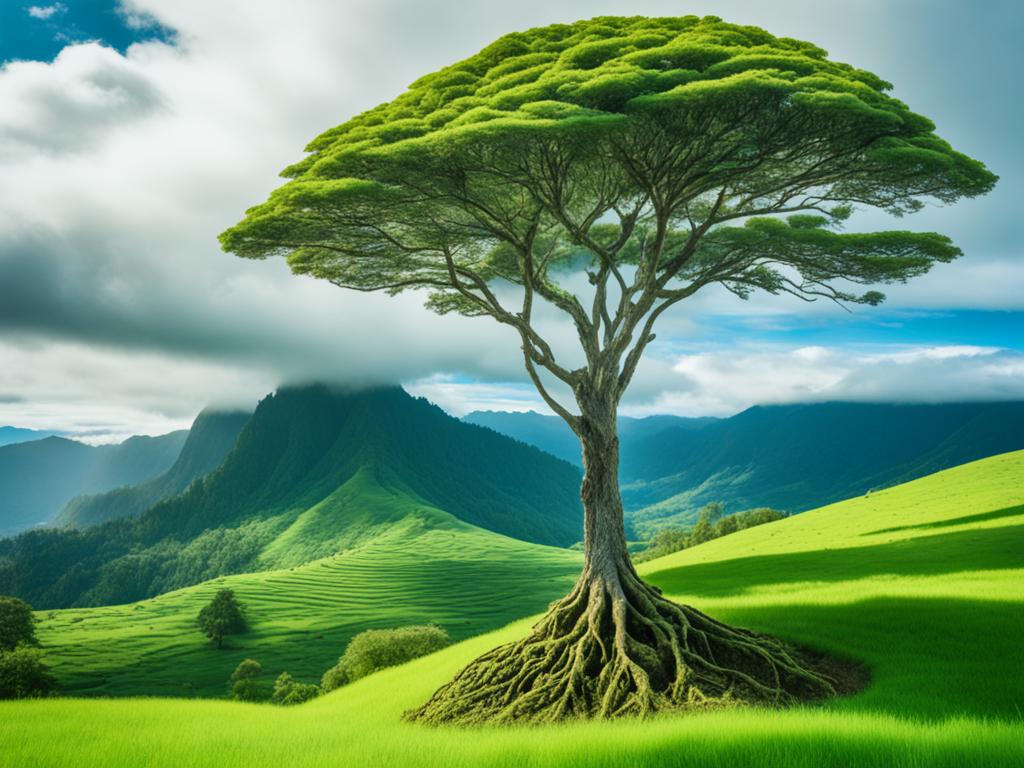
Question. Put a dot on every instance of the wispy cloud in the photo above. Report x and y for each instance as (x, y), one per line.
(45, 12)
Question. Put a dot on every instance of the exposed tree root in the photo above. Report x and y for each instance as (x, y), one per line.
(615, 647)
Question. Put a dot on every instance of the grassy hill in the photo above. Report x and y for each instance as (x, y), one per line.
(314, 471)
(923, 582)
(415, 565)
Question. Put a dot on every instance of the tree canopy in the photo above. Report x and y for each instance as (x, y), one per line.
(221, 617)
(658, 155)
(17, 623)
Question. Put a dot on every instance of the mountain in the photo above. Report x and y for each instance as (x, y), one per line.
(39, 477)
(796, 457)
(314, 472)
(793, 457)
(551, 434)
(211, 436)
(12, 435)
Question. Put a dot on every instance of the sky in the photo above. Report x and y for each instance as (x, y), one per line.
(132, 133)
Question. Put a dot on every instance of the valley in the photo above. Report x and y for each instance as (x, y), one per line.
(913, 581)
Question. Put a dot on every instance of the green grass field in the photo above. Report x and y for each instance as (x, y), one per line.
(923, 582)
(412, 564)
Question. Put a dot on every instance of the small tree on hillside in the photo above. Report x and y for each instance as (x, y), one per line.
(289, 691)
(17, 624)
(23, 674)
(223, 616)
(606, 171)
(245, 685)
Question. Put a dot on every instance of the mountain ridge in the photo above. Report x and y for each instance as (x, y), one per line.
(38, 477)
(314, 471)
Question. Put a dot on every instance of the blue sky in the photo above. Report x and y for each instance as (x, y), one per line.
(39, 31)
(131, 134)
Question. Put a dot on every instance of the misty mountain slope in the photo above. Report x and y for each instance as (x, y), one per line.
(796, 457)
(313, 472)
(12, 435)
(37, 478)
(211, 437)
(552, 434)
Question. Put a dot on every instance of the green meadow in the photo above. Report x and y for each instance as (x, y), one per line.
(922, 583)
(413, 564)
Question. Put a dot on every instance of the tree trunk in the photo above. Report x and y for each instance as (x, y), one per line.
(614, 646)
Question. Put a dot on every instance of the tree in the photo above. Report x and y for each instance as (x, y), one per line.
(288, 691)
(223, 616)
(245, 684)
(17, 624)
(23, 674)
(607, 170)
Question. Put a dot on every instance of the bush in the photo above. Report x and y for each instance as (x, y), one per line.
(379, 648)
(223, 616)
(245, 685)
(17, 624)
(288, 691)
(23, 674)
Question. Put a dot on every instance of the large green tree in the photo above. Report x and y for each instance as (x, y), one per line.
(652, 157)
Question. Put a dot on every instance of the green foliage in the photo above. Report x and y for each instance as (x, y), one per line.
(288, 691)
(245, 684)
(932, 605)
(508, 165)
(223, 616)
(379, 648)
(712, 523)
(17, 624)
(23, 674)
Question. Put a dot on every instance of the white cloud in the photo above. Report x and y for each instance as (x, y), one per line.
(118, 171)
(87, 94)
(44, 12)
(726, 381)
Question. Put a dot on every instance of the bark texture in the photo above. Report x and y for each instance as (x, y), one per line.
(614, 646)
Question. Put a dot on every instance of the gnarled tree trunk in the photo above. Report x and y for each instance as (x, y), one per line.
(614, 646)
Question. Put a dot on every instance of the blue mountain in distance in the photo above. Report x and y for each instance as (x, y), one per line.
(39, 477)
(12, 435)
(551, 434)
(791, 457)
(211, 436)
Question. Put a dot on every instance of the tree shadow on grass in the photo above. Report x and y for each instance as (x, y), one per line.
(929, 658)
(982, 517)
(986, 549)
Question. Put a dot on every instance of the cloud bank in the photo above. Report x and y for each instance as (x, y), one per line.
(118, 171)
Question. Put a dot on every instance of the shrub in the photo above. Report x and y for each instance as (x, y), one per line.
(223, 616)
(245, 685)
(288, 690)
(379, 648)
(17, 623)
(23, 674)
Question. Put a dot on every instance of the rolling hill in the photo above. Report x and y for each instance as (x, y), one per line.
(211, 437)
(37, 478)
(314, 472)
(792, 457)
(922, 582)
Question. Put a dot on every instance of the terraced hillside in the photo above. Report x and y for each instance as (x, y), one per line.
(923, 582)
(426, 566)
